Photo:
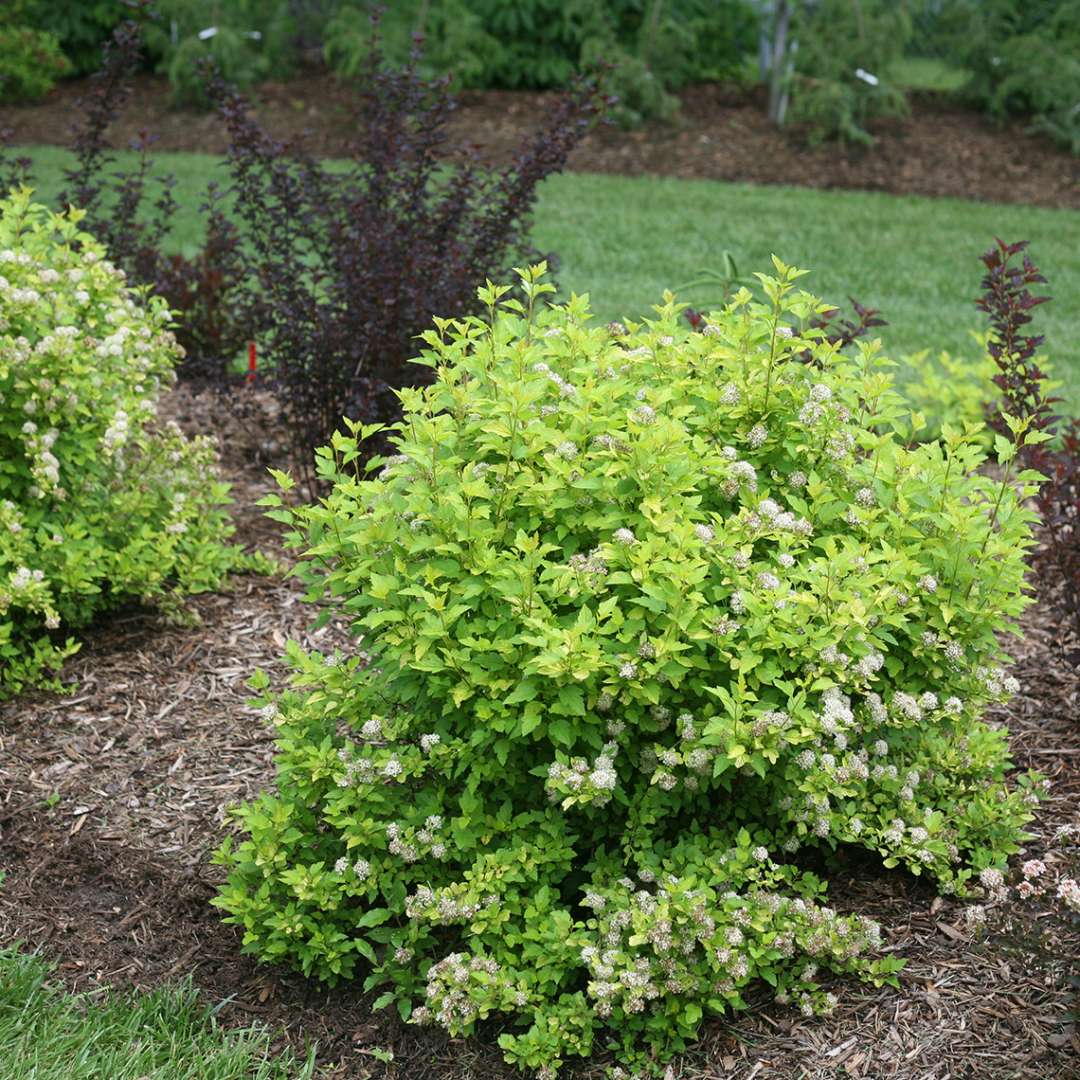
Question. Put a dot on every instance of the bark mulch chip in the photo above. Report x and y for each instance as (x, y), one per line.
(112, 801)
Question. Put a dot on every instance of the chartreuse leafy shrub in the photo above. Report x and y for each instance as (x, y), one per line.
(947, 389)
(97, 503)
(957, 390)
(643, 613)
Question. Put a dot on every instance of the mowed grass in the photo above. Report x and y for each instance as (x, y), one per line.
(46, 1034)
(624, 240)
(915, 259)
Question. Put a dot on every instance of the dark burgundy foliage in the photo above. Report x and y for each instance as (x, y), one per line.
(132, 213)
(842, 332)
(1008, 301)
(110, 92)
(352, 262)
(216, 313)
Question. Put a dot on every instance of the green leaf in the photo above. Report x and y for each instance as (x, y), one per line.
(373, 917)
(692, 1014)
(560, 731)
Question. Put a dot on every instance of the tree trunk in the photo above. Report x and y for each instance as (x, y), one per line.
(778, 66)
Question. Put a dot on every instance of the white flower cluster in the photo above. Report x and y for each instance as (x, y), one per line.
(770, 721)
(996, 682)
(44, 465)
(770, 516)
(412, 843)
(592, 565)
(1068, 891)
(459, 985)
(608, 442)
(870, 664)
(814, 408)
(757, 436)
(454, 903)
(683, 764)
(741, 474)
(674, 941)
(23, 576)
(566, 389)
(582, 781)
(358, 770)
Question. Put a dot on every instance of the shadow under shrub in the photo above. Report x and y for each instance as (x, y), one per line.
(98, 504)
(643, 612)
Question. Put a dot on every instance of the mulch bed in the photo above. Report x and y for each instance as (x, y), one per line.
(112, 801)
(721, 134)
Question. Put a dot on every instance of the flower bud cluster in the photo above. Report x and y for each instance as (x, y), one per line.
(457, 903)
(583, 782)
(651, 943)
(459, 986)
(412, 843)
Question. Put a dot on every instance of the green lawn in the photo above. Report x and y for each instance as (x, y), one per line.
(626, 239)
(915, 259)
(165, 1035)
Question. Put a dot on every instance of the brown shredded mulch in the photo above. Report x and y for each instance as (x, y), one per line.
(722, 133)
(112, 800)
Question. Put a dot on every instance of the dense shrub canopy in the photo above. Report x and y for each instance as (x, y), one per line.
(30, 63)
(644, 614)
(97, 503)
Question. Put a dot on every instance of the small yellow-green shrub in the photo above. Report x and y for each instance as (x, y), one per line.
(98, 503)
(946, 389)
(645, 612)
(943, 389)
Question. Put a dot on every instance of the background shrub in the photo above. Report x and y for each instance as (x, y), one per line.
(81, 28)
(644, 612)
(98, 504)
(247, 40)
(1022, 57)
(651, 47)
(30, 63)
(845, 51)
